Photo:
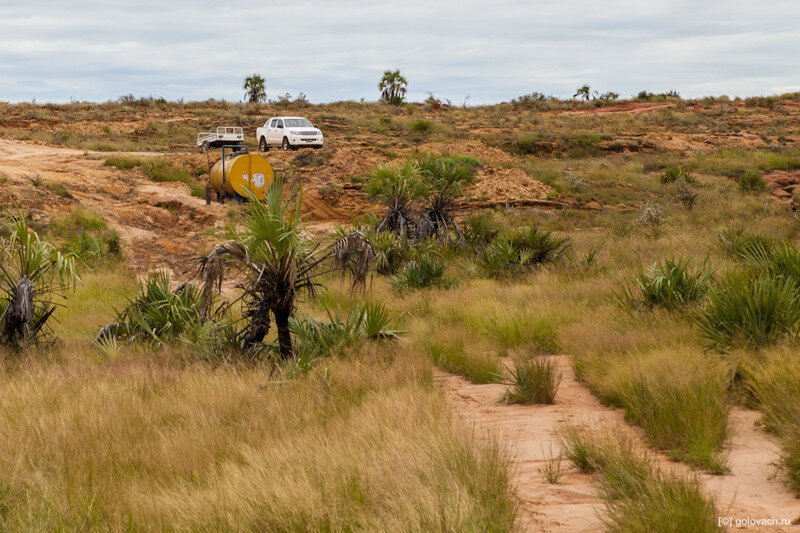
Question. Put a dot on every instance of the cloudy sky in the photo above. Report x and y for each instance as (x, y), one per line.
(55, 50)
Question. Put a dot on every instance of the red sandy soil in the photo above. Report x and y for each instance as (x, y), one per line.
(748, 491)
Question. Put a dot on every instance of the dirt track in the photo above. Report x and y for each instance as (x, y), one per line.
(161, 224)
(748, 491)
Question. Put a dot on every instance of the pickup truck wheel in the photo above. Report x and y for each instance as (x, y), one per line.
(286, 146)
(262, 145)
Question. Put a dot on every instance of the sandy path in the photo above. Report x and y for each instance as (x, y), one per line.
(747, 492)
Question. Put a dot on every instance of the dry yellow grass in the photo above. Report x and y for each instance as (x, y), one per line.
(152, 440)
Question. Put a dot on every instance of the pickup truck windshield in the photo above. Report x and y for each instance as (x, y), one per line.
(298, 123)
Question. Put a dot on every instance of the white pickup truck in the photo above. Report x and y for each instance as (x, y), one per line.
(289, 133)
(223, 135)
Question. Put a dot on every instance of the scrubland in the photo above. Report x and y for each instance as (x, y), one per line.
(674, 311)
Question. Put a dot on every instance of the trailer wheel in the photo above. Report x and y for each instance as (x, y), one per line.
(286, 146)
(205, 146)
(262, 145)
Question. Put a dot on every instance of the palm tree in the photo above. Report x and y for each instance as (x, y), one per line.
(393, 87)
(584, 92)
(255, 87)
(277, 262)
(396, 188)
(32, 275)
(444, 178)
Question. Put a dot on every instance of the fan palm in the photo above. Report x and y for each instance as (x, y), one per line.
(397, 188)
(444, 178)
(393, 87)
(278, 262)
(255, 87)
(33, 274)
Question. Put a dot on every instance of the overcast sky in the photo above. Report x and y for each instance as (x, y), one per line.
(54, 50)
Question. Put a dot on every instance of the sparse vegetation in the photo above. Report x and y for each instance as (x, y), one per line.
(534, 380)
(195, 412)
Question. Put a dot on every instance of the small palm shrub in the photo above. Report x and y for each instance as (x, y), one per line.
(751, 181)
(391, 251)
(33, 276)
(746, 310)
(739, 244)
(377, 322)
(426, 271)
(481, 229)
(159, 314)
(670, 284)
(396, 188)
(318, 338)
(443, 178)
(521, 250)
(534, 381)
(778, 259)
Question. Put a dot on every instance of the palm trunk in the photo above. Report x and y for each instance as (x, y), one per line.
(284, 334)
(19, 316)
(259, 325)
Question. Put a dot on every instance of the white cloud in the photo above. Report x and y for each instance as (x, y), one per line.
(336, 49)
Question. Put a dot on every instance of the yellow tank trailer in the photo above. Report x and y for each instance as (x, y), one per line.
(233, 176)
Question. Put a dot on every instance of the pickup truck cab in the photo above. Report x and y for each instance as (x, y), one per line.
(289, 133)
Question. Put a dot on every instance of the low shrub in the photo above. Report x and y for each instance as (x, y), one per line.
(534, 381)
(673, 174)
(158, 313)
(421, 126)
(669, 284)
(161, 170)
(123, 162)
(424, 272)
(481, 229)
(751, 181)
(521, 250)
(749, 310)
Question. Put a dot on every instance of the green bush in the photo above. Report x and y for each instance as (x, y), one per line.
(751, 181)
(421, 125)
(521, 250)
(85, 233)
(747, 310)
(673, 174)
(423, 272)
(123, 162)
(670, 284)
(161, 170)
(481, 229)
(158, 313)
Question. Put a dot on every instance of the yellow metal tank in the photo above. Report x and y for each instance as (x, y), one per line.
(241, 173)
